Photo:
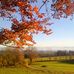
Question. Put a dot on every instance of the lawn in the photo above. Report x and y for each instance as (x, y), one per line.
(51, 67)
(19, 71)
(55, 66)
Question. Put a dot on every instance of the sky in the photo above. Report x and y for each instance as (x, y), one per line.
(62, 36)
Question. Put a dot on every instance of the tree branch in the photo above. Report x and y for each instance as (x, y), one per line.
(42, 4)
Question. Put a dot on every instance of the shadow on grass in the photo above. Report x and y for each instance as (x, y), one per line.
(67, 61)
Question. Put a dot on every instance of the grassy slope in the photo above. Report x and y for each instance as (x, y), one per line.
(19, 71)
(56, 66)
(52, 66)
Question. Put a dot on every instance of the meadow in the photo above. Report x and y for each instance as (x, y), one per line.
(42, 67)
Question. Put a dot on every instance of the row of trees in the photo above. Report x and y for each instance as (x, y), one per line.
(47, 53)
(16, 57)
(65, 53)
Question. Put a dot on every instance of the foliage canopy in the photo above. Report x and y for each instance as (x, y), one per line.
(32, 21)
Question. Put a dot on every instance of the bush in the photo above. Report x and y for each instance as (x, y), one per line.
(11, 57)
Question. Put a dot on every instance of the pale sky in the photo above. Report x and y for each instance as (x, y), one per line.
(63, 34)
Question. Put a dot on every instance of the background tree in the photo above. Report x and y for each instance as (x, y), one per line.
(31, 54)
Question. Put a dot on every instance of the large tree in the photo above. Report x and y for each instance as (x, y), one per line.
(32, 21)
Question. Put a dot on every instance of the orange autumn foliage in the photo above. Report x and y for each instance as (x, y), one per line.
(64, 6)
(32, 21)
(35, 9)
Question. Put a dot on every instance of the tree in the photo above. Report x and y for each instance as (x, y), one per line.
(11, 57)
(31, 53)
(32, 21)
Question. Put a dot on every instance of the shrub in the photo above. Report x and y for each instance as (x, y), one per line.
(11, 57)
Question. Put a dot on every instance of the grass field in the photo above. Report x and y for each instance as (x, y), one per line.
(55, 66)
(51, 67)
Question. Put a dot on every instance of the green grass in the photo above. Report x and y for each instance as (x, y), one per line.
(19, 71)
(52, 66)
(55, 66)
